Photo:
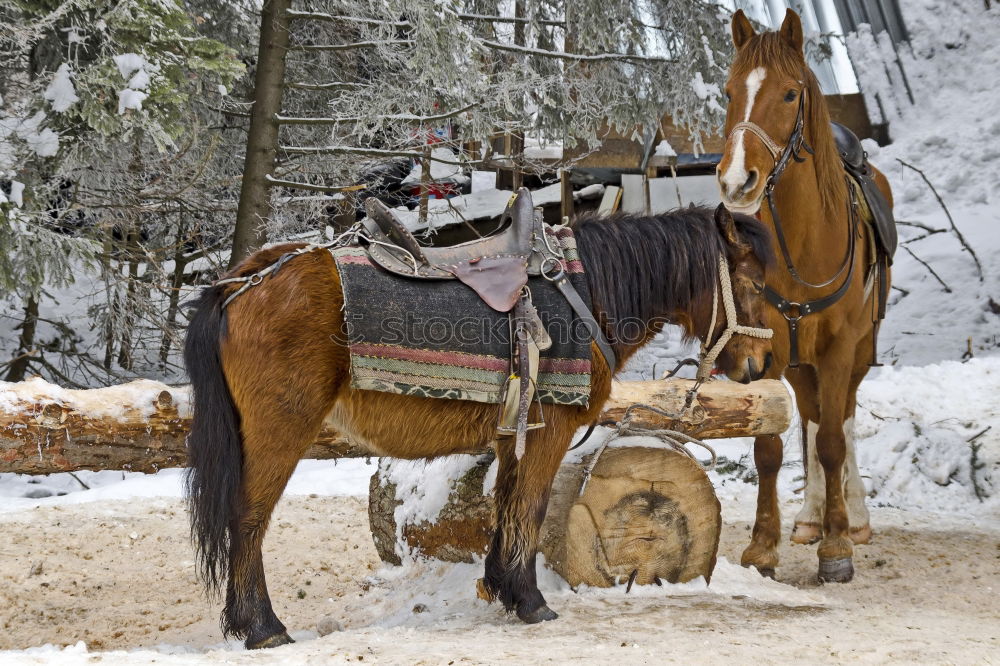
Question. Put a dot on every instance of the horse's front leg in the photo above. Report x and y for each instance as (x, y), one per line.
(836, 549)
(762, 553)
(522, 497)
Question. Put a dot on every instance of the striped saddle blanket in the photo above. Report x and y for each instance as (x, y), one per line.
(437, 339)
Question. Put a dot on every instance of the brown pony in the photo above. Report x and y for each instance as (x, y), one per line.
(779, 142)
(266, 371)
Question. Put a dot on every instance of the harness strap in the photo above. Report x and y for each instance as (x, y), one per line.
(757, 131)
(786, 308)
(569, 292)
(710, 354)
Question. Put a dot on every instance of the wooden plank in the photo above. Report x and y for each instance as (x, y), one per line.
(633, 194)
(610, 201)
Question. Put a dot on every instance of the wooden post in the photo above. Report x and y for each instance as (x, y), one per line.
(425, 181)
(566, 198)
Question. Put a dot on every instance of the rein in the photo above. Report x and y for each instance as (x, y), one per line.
(793, 311)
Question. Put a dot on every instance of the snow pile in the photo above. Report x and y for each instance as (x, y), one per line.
(441, 590)
(930, 437)
(40, 140)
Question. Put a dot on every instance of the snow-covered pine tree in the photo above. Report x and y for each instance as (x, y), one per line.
(104, 154)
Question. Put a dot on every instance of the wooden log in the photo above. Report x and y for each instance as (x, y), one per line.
(141, 426)
(651, 511)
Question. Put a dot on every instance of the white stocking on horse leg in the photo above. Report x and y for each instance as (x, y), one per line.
(809, 520)
(854, 491)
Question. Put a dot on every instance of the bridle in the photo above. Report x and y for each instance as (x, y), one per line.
(710, 351)
(783, 156)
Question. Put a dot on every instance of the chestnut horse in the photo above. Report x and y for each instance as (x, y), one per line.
(266, 371)
(780, 148)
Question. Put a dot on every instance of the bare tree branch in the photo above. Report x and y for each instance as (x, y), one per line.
(961, 238)
(928, 267)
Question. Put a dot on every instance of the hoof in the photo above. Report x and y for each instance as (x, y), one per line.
(541, 614)
(271, 642)
(484, 592)
(766, 572)
(860, 535)
(836, 571)
(806, 533)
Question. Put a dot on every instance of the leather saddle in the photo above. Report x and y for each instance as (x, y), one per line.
(495, 267)
(856, 164)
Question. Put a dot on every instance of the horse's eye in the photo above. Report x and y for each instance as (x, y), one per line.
(729, 98)
(758, 287)
(790, 96)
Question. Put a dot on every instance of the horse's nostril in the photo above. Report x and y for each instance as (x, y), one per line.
(768, 360)
(751, 181)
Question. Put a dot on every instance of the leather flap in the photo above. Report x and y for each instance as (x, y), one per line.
(497, 280)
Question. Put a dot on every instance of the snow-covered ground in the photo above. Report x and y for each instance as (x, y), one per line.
(929, 448)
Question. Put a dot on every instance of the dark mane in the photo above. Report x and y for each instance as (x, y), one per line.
(770, 51)
(640, 267)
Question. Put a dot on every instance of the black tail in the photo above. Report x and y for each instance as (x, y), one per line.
(215, 456)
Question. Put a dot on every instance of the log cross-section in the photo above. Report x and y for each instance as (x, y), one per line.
(141, 426)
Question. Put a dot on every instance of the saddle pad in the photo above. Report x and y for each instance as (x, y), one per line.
(438, 339)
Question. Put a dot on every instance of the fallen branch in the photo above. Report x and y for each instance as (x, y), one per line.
(921, 225)
(961, 238)
(928, 267)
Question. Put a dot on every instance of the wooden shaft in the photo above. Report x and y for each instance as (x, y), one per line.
(141, 426)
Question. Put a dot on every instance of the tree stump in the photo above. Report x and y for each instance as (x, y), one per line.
(651, 511)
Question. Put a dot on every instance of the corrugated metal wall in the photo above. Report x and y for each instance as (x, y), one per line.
(881, 15)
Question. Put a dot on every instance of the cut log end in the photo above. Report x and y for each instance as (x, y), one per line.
(648, 511)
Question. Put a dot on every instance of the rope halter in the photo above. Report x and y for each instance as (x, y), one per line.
(709, 354)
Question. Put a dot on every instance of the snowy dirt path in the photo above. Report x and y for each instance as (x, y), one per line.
(119, 576)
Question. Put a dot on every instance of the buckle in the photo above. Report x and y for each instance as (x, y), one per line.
(788, 307)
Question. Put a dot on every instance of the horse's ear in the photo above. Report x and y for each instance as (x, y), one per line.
(742, 29)
(727, 227)
(791, 30)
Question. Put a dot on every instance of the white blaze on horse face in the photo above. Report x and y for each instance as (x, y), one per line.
(736, 175)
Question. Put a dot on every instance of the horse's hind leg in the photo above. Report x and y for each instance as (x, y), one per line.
(522, 497)
(273, 443)
(836, 549)
(854, 486)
